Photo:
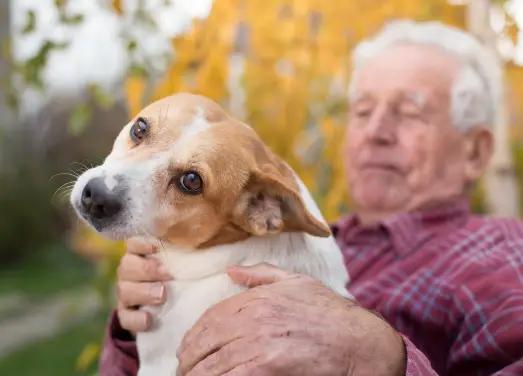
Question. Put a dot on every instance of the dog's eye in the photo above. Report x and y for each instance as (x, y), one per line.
(139, 130)
(191, 183)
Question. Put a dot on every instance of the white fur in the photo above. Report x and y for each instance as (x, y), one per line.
(201, 281)
(198, 124)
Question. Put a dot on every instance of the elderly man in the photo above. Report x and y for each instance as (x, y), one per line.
(448, 285)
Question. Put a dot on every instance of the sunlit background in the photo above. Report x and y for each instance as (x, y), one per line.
(72, 72)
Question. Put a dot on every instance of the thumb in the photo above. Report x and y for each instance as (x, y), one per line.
(256, 275)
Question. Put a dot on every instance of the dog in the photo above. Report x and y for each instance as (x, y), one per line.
(187, 174)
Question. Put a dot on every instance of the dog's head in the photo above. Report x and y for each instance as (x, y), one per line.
(185, 172)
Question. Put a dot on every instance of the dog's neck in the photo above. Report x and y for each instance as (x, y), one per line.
(296, 251)
(285, 250)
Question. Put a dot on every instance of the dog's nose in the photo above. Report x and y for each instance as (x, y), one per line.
(98, 201)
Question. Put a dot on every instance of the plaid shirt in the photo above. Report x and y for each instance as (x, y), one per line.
(450, 282)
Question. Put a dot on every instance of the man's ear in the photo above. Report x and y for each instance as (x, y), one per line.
(479, 149)
(270, 205)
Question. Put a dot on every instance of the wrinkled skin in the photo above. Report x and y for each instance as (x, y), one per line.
(402, 151)
(272, 330)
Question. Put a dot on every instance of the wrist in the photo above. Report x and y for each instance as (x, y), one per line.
(375, 348)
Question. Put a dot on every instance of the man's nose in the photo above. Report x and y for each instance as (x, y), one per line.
(98, 201)
(381, 127)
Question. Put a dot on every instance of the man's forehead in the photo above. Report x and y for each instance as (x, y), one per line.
(416, 96)
(414, 72)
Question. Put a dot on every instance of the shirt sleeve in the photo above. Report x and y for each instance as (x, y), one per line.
(119, 355)
(417, 363)
(489, 304)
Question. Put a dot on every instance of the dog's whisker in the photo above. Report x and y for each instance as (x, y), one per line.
(63, 174)
(64, 187)
(76, 172)
(60, 197)
(82, 165)
(63, 196)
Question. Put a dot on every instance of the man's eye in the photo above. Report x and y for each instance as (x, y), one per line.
(363, 113)
(409, 111)
(139, 130)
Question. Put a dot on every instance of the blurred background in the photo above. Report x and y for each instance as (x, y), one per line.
(72, 72)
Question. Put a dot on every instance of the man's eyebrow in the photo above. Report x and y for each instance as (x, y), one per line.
(359, 97)
(417, 98)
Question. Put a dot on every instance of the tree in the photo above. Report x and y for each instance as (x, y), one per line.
(290, 62)
(501, 184)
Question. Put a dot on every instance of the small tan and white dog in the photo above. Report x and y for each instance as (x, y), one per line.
(187, 174)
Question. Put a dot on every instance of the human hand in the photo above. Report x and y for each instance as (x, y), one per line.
(140, 282)
(289, 324)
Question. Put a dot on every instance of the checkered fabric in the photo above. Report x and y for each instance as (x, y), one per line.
(449, 281)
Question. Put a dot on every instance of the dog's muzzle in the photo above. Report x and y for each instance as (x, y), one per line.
(100, 205)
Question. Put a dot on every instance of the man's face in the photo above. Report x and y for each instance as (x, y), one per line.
(402, 151)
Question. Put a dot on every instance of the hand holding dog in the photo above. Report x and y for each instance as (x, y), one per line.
(140, 282)
(289, 324)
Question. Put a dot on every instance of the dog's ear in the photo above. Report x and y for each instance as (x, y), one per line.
(270, 204)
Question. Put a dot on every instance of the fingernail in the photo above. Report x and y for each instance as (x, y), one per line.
(146, 322)
(157, 291)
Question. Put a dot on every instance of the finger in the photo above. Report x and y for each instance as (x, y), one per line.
(215, 318)
(219, 326)
(141, 246)
(208, 342)
(134, 320)
(260, 274)
(137, 269)
(233, 355)
(141, 293)
(249, 369)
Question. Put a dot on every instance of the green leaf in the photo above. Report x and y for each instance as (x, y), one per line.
(102, 98)
(131, 45)
(79, 119)
(60, 3)
(31, 69)
(137, 70)
(73, 19)
(30, 22)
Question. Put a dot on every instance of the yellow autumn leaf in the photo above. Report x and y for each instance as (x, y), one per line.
(87, 357)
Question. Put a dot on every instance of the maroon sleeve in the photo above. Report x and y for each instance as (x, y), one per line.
(417, 362)
(119, 355)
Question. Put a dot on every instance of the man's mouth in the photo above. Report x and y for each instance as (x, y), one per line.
(381, 167)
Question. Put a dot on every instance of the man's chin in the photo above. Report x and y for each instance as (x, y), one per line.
(378, 199)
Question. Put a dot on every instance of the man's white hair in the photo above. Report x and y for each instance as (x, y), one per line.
(478, 87)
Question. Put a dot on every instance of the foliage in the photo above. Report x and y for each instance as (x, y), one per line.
(58, 356)
(295, 63)
(45, 271)
(24, 201)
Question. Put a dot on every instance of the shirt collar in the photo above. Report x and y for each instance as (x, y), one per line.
(406, 230)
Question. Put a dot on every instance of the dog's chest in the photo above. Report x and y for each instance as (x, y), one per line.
(201, 282)
(186, 302)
